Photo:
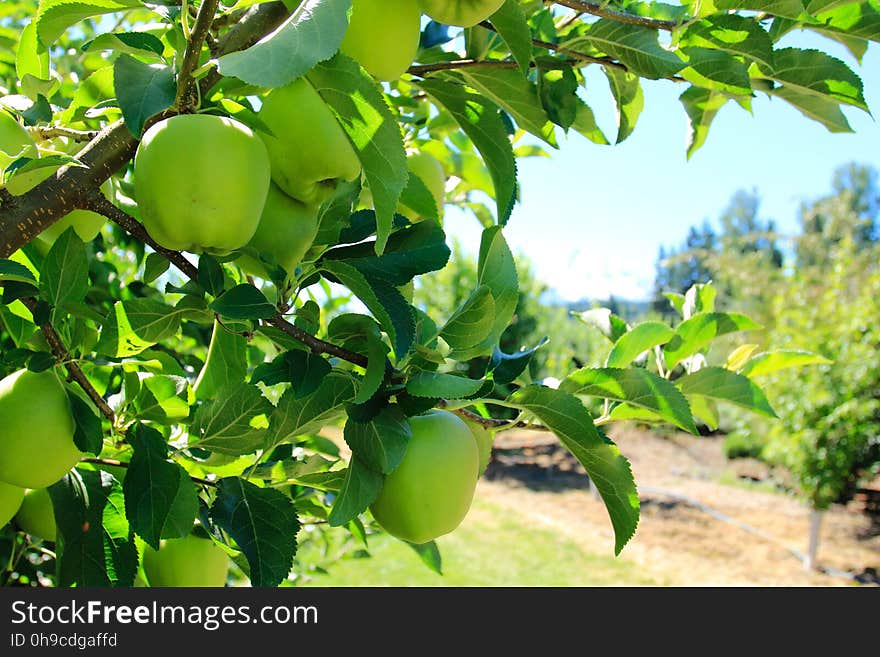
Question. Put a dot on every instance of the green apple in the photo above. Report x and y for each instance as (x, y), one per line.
(285, 234)
(10, 501)
(201, 183)
(484, 439)
(383, 36)
(190, 561)
(309, 150)
(37, 515)
(431, 491)
(430, 171)
(15, 142)
(462, 13)
(36, 430)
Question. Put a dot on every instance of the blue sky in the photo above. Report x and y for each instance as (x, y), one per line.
(592, 217)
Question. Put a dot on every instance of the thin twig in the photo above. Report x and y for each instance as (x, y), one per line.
(618, 16)
(187, 96)
(50, 132)
(73, 369)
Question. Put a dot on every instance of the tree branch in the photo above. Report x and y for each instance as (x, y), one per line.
(617, 16)
(24, 217)
(50, 132)
(492, 423)
(187, 98)
(63, 356)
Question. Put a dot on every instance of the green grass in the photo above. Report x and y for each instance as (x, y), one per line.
(491, 548)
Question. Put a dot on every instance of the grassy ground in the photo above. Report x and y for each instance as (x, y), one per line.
(491, 548)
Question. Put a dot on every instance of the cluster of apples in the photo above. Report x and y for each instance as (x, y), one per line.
(399, 23)
(37, 449)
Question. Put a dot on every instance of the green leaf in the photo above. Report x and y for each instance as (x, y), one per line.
(566, 416)
(704, 409)
(815, 73)
(243, 302)
(65, 273)
(154, 266)
(626, 88)
(558, 89)
(134, 325)
(724, 385)
(699, 298)
(359, 490)
(225, 364)
(716, 69)
(412, 251)
(506, 368)
(55, 16)
(302, 369)
(635, 47)
(234, 422)
(383, 300)
(852, 19)
(295, 417)
(428, 552)
(701, 106)
(263, 523)
(496, 269)
(639, 339)
(449, 386)
(585, 124)
(480, 120)
(40, 361)
(211, 275)
(417, 197)
(472, 322)
(784, 8)
(773, 361)
(95, 545)
(635, 386)
(512, 24)
(142, 90)
(381, 442)
(163, 399)
(821, 109)
(731, 33)
(695, 333)
(14, 271)
(375, 374)
(359, 105)
(604, 321)
(140, 44)
(311, 35)
(32, 58)
(88, 435)
(160, 499)
(512, 91)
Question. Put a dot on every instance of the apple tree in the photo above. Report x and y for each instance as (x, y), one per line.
(212, 216)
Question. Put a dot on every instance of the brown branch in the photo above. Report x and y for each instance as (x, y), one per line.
(618, 16)
(24, 217)
(187, 97)
(96, 202)
(50, 132)
(63, 356)
(316, 345)
(114, 463)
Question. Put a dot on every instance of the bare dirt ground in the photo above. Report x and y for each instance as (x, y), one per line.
(694, 530)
